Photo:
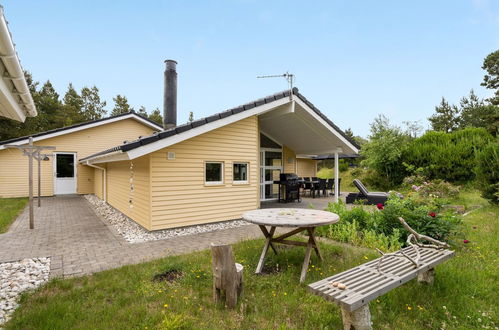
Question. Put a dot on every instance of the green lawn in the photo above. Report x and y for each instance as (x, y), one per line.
(9, 210)
(464, 295)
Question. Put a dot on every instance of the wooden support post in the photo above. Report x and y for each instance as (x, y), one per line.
(227, 275)
(38, 158)
(336, 178)
(427, 277)
(359, 319)
(30, 179)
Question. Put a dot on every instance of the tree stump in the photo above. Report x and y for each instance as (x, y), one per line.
(359, 319)
(227, 275)
(427, 277)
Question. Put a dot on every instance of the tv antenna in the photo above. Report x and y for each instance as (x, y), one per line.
(288, 76)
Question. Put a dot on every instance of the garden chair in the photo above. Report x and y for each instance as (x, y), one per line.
(366, 195)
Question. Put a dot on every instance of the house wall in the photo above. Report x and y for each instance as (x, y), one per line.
(306, 167)
(14, 166)
(134, 203)
(98, 183)
(289, 160)
(179, 196)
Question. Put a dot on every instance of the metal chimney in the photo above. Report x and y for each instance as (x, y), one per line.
(170, 95)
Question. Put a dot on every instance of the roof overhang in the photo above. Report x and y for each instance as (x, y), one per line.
(308, 134)
(16, 101)
(79, 127)
(299, 127)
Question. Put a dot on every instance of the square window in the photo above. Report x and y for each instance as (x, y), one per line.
(240, 173)
(214, 172)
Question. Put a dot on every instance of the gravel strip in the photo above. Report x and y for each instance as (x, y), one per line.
(17, 277)
(134, 233)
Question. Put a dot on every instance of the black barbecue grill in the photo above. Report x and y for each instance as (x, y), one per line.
(289, 187)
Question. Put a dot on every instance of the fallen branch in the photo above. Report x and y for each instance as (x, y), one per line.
(413, 240)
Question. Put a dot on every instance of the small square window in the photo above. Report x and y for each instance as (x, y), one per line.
(240, 173)
(214, 172)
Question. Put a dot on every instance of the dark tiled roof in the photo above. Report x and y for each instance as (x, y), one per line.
(74, 126)
(200, 122)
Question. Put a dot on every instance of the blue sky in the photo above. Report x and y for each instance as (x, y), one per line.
(352, 59)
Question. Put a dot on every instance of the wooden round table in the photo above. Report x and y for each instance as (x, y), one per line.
(301, 219)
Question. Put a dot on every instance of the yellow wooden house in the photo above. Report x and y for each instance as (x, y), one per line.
(209, 170)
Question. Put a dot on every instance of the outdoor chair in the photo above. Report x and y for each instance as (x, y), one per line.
(364, 194)
(307, 185)
(330, 185)
(321, 187)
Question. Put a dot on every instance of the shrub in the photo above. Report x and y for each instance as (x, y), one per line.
(487, 172)
(383, 152)
(447, 156)
(382, 229)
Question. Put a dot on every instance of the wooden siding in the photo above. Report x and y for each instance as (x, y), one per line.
(179, 196)
(14, 166)
(120, 178)
(306, 167)
(98, 183)
(289, 160)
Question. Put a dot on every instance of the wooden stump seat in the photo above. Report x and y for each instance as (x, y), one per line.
(227, 275)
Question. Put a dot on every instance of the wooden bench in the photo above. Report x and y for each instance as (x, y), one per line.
(365, 283)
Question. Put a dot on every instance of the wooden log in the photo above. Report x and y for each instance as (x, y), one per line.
(359, 319)
(227, 275)
(427, 277)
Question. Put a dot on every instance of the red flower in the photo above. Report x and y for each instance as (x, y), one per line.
(466, 241)
(380, 206)
(432, 214)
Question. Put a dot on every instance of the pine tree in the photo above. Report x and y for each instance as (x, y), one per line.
(156, 116)
(143, 112)
(491, 79)
(93, 108)
(446, 117)
(120, 105)
(72, 108)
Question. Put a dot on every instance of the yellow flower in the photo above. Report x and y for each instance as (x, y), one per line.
(165, 305)
(200, 308)
(365, 257)
(285, 293)
(409, 307)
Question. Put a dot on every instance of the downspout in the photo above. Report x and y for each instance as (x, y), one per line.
(104, 179)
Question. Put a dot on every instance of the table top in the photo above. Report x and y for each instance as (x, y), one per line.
(288, 217)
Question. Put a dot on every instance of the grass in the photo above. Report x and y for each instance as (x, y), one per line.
(464, 295)
(346, 178)
(9, 210)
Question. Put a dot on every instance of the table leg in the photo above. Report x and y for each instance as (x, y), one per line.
(265, 249)
(311, 234)
(307, 260)
(266, 234)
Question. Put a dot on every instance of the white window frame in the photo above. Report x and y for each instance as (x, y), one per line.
(234, 181)
(214, 183)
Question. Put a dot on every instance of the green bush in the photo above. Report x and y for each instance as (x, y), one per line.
(447, 156)
(382, 229)
(487, 172)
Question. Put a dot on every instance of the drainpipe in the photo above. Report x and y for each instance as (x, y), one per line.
(104, 179)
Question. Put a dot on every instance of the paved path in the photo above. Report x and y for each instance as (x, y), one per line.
(79, 242)
(69, 231)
